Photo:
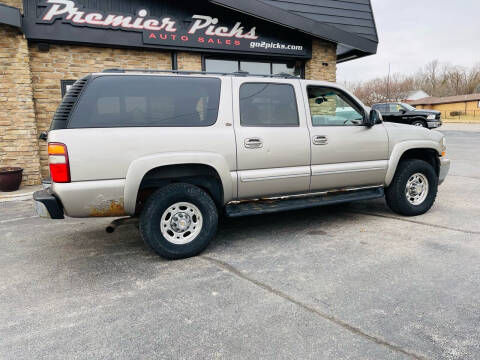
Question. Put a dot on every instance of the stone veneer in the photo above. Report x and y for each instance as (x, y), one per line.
(71, 62)
(323, 65)
(18, 130)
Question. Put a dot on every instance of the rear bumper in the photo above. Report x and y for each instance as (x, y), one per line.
(47, 205)
(444, 168)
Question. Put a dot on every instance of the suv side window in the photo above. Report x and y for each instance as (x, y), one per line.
(330, 107)
(147, 101)
(395, 108)
(268, 104)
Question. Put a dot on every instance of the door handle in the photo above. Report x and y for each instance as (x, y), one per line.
(253, 143)
(320, 140)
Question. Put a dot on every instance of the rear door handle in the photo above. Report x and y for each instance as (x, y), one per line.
(253, 143)
(320, 140)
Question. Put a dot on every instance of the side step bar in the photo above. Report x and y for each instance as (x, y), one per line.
(267, 206)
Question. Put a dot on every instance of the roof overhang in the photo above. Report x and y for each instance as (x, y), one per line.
(10, 16)
(351, 46)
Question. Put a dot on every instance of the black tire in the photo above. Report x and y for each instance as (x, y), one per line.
(419, 123)
(396, 193)
(158, 203)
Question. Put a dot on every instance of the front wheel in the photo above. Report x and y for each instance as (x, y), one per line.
(413, 189)
(419, 123)
(179, 221)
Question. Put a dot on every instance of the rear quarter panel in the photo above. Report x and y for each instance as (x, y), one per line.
(100, 159)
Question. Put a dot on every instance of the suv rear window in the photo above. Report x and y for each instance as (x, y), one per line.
(143, 101)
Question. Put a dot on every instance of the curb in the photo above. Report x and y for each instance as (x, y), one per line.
(20, 195)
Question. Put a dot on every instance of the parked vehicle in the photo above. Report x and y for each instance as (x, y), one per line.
(406, 114)
(176, 149)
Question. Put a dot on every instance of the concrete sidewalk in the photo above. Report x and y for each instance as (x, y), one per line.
(22, 194)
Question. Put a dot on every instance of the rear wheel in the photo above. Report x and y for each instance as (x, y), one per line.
(413, 189)
(179, 221)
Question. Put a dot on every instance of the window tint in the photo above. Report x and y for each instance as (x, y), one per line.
(266, 104)
(330, 107)
(129, 101)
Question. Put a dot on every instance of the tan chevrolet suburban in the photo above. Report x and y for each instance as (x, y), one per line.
(176, 149)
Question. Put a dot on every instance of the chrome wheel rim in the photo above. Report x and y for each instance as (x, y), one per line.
(418, 124)
(417, 189)
(181, 223)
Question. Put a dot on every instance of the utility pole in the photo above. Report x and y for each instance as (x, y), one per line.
(388, 83)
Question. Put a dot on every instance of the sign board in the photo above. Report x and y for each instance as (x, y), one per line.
(199, 26)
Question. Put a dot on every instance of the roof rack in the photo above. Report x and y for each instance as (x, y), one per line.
(188, 72)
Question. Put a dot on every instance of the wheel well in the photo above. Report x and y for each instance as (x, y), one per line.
(419, 119)
(203, 176)
(428, 155)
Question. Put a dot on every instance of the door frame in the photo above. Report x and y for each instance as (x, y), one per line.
(280, 178)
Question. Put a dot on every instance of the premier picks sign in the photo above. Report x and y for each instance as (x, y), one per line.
(199, 31)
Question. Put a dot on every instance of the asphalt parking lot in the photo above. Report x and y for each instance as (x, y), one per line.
(345, 282)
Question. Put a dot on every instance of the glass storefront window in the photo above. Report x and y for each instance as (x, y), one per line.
(226, 66)
(254, 67)
(285, 69)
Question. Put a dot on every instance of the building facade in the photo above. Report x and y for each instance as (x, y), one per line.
(45, 45)
(460, 108)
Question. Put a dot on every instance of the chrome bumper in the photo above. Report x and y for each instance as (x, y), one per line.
(444, 168)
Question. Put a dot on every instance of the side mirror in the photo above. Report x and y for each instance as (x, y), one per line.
(402, 111)
(374, 118)
(43, 136)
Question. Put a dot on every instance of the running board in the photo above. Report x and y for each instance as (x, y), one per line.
(267, 206)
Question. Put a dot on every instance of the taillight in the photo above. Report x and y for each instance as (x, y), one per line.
(58, 160)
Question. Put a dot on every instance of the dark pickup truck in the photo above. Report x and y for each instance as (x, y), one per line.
(406, 114)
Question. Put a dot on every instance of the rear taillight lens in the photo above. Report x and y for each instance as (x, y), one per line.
(58, 160)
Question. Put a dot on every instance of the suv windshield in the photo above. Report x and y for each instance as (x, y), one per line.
(408, 107)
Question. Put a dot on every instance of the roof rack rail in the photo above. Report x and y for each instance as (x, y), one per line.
(188, 72)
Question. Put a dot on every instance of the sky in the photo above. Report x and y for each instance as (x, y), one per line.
(415, 32)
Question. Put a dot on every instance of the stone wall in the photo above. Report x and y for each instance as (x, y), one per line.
(15, 3)
(189, 61)
(71, 62)
(323, 65)
(18, 131)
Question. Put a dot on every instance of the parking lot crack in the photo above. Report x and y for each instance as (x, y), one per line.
(355, 330)
(416, 222)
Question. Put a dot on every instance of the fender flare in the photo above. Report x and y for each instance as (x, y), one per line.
(140, 167)
(402, 147)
